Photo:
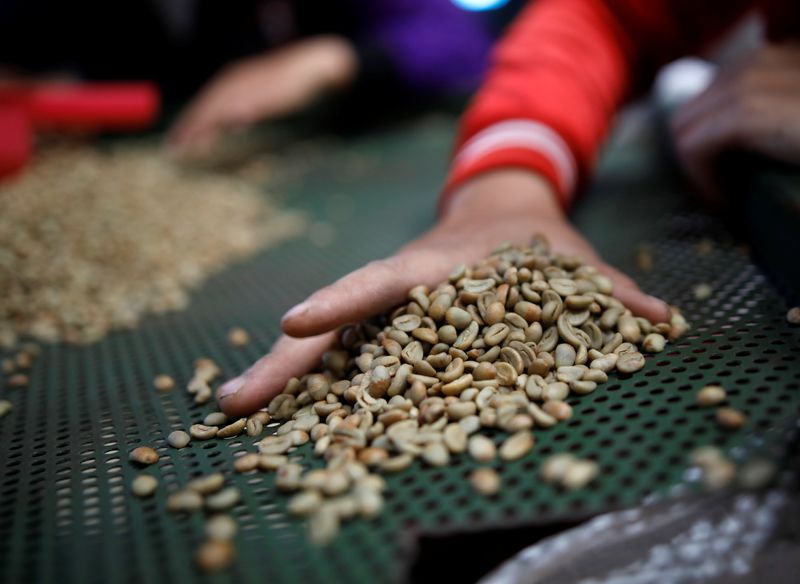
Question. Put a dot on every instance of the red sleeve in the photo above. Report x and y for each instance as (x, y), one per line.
(560, 74)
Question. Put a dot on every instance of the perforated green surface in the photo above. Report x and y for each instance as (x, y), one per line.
(65, 511)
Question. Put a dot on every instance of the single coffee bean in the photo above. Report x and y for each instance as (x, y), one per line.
(215, 419)
(224, 499)
(233, 429)
(458, 317)
(238, 337)
(579, 474)
(730, 419)
(560, 410)
(517, 445)
(246, 463)
(143, 455)
(178, 439)
(711, 395)
(207, 484)
(485, 481)
(184, 502)
(144, 485)
(555, 467)
(630, 362)
(163, 382)
(305, 503)
(481, 448)
(18, 380)
(202, 432)
(654, 343)
(221, 528)
(214, 555)
(407, 322)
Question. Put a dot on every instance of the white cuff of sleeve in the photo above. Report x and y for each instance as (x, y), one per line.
(527, 134)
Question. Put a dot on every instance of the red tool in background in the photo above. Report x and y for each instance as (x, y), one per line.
(69, 107)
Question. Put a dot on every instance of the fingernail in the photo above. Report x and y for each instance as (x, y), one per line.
(230, 388)
(296, 311)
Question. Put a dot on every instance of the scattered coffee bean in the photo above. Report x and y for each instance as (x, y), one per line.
(163, 382)
(233, 429)
(730, 418)
(517, 445)
(271, 461)
(254, 427)
(579, 474)
(202, 432)
(305, 503)
(481, 448)
(206, 484)
(555, 467)
(5, 407)
(485, 481)
(215, 554)
(215, 419)
(560, 410)
(756, 473)
(184, 502)
(144, 485)
(702, 292)
(630, 362)
(224, 499)
(644, 258)
(178, 439)
(323, 525)
(793, 316)
(221, 528)
(436, 454)
(711, 395)
(654, 343)
(238, 337)
(18, 380)
(719, 474)
(246, 463)
(143, 455)
(288, 477)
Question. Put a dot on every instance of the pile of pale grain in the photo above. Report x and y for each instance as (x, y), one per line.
(92, 240)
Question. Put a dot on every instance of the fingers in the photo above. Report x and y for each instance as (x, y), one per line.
(699, 144)
(367, 291)
(629, 293)
(268, 376)
(196, 132)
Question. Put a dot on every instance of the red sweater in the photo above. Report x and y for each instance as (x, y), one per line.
(566, 66)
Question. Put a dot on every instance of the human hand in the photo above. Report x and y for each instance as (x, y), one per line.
(508, 205)
(266, 86)
(754, 106)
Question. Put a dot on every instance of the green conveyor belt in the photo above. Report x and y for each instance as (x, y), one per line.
(65, 511)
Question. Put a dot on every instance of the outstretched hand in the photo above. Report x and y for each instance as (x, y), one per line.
(508, 205)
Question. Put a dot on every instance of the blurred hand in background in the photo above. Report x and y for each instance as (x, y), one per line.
(753, 106)
(266, 86)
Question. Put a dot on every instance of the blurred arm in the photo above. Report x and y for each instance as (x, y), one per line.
(561, 73)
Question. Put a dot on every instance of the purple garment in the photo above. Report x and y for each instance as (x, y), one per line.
(433, 45)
